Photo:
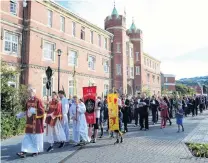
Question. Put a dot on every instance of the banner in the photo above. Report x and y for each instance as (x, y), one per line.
(89, 95)
(113, 112)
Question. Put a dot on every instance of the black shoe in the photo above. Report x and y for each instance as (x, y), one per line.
(141, 128)
(170, 123)
(182, 129)
(62, 145)
(146, 129)
(50, 149)
(35, 154)
(121, 141)
(117, 141)
(21, 154)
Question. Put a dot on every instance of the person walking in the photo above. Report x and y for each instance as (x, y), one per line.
(154, 104)
(179, 118)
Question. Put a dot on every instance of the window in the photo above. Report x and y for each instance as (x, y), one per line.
(48, 51)
(132, 71)
(11, 43)
(13, 81)
(106, 89)
(158, 80)
(99, 40)
(13, 7)
(118, 69)
(91, 37)
(73, 29)
(127, 71)
(137, 56)
(91, 62)
(45, 91)
(153, 78)
(148, 78)
(106, 67)
(150, 64)
(137, 70)
(131, 52)
(127, 49)
(71, 87)
(105, 43)
(82, 33)
(62, 22)
(166, 80)
(72, 58)
(118, 47)
(50, 17)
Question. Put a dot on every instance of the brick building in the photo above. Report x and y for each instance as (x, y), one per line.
(30, 39)
(132, 69)
(106, 58)
(168, 82)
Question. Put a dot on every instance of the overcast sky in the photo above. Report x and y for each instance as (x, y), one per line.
(174, 31)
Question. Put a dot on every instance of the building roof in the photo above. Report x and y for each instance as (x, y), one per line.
(55, 4)
(114, 12)
(133, 27)
(151, 57)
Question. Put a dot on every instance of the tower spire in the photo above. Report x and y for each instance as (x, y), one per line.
(114, 4)
(115, 13)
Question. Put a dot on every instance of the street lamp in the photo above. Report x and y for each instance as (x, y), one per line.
(59, 55)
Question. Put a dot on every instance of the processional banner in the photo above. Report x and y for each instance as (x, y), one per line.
(89, 94)
(113, 112)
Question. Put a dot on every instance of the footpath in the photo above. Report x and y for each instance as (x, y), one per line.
(155, 145)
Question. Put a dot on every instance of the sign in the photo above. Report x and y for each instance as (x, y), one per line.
(113, 112)
(89, 94)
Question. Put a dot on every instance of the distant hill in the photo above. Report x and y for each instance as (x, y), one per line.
(202, 80)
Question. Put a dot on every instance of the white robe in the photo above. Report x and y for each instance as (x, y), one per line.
(65, 121)
(55, 133)
(32, 143)
(80, 125)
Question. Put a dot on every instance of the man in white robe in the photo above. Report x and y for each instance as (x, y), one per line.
(77, 113)
(64, 121)
(34, 129)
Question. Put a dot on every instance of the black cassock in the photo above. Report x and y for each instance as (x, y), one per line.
(126, 111)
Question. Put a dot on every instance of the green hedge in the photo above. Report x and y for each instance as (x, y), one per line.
(11, 126)
(198, 150)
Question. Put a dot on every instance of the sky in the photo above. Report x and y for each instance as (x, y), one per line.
(174, 31)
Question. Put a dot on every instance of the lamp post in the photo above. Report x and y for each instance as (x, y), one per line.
(59, 56)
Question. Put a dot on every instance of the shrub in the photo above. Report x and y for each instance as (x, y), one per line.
(12, 101)
(198, 150)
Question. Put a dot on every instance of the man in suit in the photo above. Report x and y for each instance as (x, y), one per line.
(144, 112)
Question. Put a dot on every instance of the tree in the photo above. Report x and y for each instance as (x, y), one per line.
(184, 90)
(12, 101)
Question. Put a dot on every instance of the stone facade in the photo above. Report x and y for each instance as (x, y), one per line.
(31, 42)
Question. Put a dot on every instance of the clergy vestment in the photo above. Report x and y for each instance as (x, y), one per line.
(77, 113)
(54, 130)
(65, 121)
(33, 139)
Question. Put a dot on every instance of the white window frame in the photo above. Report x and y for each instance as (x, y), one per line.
(91, 37)
(10, 83)
(46, 59)
(71, 87)
(50, 18)
(131, 72)
(91, 64)
(44, 85)
(118, 47)
(70, 58)
(99, 40)
(105, 43)
(62, 23)
(131, 52)
(148, 78)
(106, 66)
(106, 89)
(118, 69)
(137, 70)
(137, 56)
(166, 79)
(82, 34)
(73, 29)
(13, 3)
(11, 43)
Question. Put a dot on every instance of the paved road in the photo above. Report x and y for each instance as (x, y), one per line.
(153, 146)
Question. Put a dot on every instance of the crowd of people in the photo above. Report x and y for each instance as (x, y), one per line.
(59, 110)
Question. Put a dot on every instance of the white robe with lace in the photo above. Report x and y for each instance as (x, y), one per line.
(65, 121)
(80, 125)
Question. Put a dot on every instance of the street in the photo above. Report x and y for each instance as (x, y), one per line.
(153, 146)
